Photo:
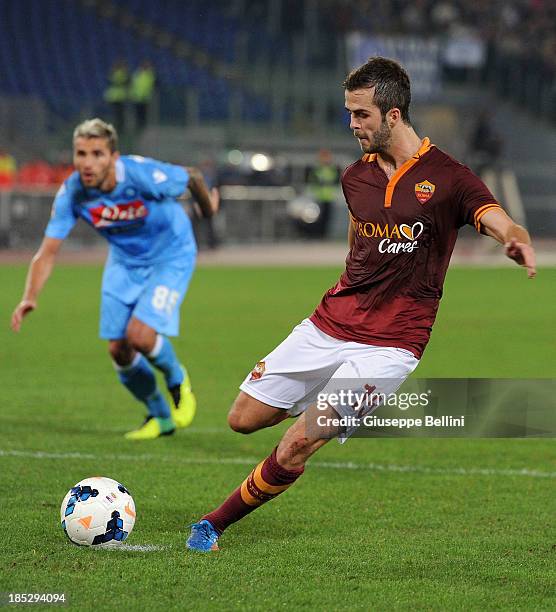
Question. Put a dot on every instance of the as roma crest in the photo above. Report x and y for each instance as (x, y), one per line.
(424, 191)
(258, 371)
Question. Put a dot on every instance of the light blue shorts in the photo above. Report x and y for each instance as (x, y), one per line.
(152, 294)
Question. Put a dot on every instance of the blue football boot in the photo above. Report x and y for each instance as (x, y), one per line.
(203, 538)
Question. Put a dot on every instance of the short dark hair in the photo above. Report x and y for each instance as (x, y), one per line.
(391, 83)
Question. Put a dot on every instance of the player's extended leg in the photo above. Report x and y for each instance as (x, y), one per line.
(137, 375)
(159, 351)
(268, 479)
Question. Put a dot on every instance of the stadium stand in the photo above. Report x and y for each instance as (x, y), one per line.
(265, 76)
(61, 52)
(214, 33)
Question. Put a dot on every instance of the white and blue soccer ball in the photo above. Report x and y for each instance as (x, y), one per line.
(99, 512)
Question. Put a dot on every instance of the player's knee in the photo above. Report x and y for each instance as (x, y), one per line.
(121, 352)
(248, 414)
(242, 418)
(140, 339)
(239, 423)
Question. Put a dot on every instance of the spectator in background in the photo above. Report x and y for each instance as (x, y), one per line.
(62, 167)
(323, 184)
(35, 174)
(444, 14)
(117, 93)
(485, 144)
(141, 92)
(8, 169)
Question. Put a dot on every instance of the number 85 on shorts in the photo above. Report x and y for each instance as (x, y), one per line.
(165, 299)
(152, 294)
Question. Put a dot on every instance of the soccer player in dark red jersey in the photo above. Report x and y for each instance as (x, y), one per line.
(406, 200)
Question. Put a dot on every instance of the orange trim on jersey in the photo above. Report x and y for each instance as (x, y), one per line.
(482, 211)
(424, 148)
(369, 157)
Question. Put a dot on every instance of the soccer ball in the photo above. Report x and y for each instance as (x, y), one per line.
(98, 511)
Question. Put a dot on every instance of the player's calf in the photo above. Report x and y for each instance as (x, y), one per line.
(300, 441)
(267, 480)
(248, 414)
(136, 374)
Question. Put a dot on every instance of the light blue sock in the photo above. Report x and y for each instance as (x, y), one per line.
(164, 358)
(139, 378)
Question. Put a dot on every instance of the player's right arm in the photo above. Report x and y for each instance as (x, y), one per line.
(39, 271)
(60, 225)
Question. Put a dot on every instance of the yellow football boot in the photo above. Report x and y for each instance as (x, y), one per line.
(184, 403)
(152, 428)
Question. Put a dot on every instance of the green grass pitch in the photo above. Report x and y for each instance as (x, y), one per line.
(472, 533)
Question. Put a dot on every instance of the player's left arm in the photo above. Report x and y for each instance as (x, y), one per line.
(515, 238)
(208, 200)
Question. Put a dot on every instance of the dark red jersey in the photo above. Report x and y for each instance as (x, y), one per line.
(405, 231)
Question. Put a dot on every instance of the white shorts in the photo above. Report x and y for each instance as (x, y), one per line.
(309, 362)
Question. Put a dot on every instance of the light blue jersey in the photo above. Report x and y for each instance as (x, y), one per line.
(140, 217)
(152, 246)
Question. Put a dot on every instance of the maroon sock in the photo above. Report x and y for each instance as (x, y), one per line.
(264, 483)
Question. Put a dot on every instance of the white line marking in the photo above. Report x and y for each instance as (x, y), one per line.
(422, 469)
(138, 548)
(250, 461)
(130, 548)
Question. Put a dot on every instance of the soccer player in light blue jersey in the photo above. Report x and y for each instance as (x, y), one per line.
(131, 201)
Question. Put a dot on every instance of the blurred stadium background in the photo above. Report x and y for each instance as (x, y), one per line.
(250, 90)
